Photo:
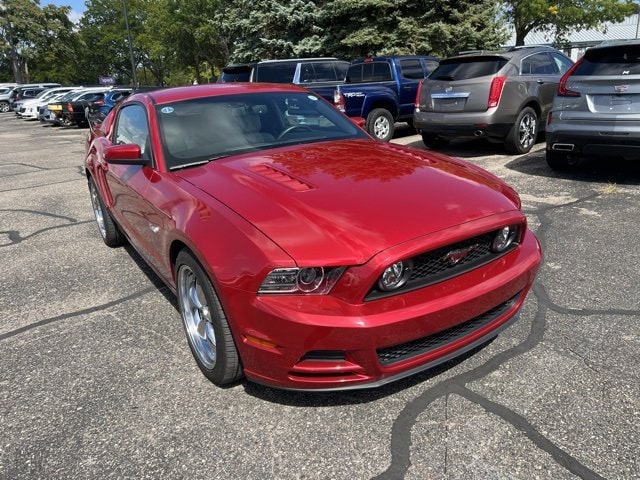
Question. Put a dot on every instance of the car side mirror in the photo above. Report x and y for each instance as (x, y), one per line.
(359, 121)
(124, 154)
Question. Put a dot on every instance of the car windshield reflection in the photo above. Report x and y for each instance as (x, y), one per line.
(197, 131)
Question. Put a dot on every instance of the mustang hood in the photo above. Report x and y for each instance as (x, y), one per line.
(347, 201)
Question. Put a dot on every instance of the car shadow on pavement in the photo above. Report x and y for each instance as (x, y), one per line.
(594, 170)
(351, 397)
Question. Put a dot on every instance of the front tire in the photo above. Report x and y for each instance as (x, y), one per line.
(109, 231)
(205, 323)
(380, 124)
(524, 132)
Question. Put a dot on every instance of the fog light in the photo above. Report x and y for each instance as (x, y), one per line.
(504, 239)
(395, 276)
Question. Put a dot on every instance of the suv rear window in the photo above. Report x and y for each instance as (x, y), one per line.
(322, 71)
(463, 68)
(235, 73)
(275, 72)
(618, 60)
(369, 72)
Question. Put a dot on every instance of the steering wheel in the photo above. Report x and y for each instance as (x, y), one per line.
(292, 128)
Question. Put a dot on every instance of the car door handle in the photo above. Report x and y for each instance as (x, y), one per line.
(540, 81)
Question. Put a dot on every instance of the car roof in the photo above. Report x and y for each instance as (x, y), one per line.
(513, 52)
(176, 94)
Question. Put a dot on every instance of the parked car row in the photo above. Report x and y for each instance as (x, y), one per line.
(66, 106)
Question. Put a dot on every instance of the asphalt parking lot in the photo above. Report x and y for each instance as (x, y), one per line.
(97, 380)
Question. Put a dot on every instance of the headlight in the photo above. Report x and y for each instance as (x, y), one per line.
(504, 238)
(395, 276)
(308, 280)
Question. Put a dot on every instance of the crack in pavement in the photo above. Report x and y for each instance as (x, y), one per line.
(14, 235)
(38, 186)
(407, 418)
(85, 311)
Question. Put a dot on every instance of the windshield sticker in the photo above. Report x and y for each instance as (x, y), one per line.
(167, 110)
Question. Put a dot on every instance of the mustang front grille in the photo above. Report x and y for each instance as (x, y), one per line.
(404, 351)
(445, 262)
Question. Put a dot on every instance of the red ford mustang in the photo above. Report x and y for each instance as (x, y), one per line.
(304, 254)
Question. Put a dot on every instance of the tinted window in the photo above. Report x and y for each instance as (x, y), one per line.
(369, 72)
(236, 73)
(412, 68)
(275, 72)
(462, 68)
(562, 62)
(618, 60)
(322, 71)
(538, 64)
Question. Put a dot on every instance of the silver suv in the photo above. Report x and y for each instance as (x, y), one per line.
(500, 96)
(596, 111)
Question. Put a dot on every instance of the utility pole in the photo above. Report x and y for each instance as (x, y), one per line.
(134, 77)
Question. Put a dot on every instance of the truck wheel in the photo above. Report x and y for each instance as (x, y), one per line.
(380, 124)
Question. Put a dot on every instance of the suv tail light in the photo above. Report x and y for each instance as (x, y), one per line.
(563, 91)
(418, 95)
(495, 91)
(338, 100)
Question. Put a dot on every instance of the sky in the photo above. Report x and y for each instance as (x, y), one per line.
(77, 7)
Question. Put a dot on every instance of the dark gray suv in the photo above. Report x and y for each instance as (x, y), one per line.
(500, 96)
(596, 112)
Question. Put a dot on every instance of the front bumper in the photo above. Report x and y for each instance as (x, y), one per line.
(322, 343)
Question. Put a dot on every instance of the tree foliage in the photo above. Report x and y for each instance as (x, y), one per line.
(562, 16)
(179, 41)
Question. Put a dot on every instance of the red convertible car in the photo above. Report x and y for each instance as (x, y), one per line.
(305, 254)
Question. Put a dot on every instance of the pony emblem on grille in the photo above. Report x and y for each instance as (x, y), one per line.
(456, 256)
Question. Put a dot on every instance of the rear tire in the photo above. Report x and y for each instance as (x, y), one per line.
(4, 107)
(380, 124)
(434, 141)
(205, 323)
(524, 132)
(109, 231)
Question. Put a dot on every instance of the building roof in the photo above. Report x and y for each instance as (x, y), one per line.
(624, 30)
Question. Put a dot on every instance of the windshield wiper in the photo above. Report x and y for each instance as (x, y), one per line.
(195, 164)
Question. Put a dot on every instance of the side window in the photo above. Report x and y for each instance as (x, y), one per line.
(376, 72)
(538, 64)
(354, 74)
(411, 68)
(563, 63)
(132, 127)
(431, 65)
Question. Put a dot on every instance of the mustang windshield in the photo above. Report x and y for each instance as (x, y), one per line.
(202, 129)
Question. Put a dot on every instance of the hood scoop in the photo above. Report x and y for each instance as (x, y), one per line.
(283, 178)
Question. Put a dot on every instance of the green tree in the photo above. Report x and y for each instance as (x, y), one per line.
(269, 29)
(562, 16)
(57, 49)
(21, 25)
(357, 28)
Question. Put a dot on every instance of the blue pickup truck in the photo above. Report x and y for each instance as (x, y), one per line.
(382, 90)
